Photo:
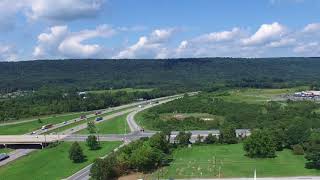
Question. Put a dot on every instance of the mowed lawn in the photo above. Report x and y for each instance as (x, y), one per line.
(5, 150)
(52, 163)
(199, 161)
(27, 127)
(250, 95)
(117, 125)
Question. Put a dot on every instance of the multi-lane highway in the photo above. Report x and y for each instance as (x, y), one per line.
(22, 152)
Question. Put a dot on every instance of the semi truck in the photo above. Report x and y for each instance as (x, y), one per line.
(46, 126)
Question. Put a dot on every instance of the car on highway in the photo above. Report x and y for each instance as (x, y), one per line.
(3, 156)
(99, 118)
(97, 112)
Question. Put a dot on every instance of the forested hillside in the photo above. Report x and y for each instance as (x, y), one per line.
(172, 73)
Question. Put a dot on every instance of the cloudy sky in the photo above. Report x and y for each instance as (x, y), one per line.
(54, 29)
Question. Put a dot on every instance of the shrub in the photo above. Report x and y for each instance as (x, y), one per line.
(297, 149)
(260, 144)
(92, 142)
(76, 153)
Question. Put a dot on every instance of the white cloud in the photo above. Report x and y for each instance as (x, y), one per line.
(49, 42)
(311, 28)
(210, 44)
(52, 10)
(7, 53)
(73, 45)
(151, 46)
(61, 42)
(308, 49)
(282, 43)
(219, 36)
(265, 34)
(63, 10)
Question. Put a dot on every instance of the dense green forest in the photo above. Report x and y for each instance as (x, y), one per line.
(166, 74)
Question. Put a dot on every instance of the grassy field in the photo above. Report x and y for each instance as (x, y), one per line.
(117, 125)
(26, 127)
(199, 161)
(182, 116)
(258, 95)
(51, 164)
(5, 150)
(89, 119)
(141, 121)
(124, 89)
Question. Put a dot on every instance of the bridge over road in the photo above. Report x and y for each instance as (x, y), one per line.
(29, 139)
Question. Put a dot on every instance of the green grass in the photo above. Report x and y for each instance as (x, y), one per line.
(26, 127)
(181, 116)
(142, 121)
(5, 150)
(51, 163)
(85, 121)
(124, 89)
(251, 95)
(191, 162)
(117, 125)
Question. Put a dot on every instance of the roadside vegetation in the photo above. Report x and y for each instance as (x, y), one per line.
(53, 163)
(77, 123)
(26, 127)
(116, 125)
(5, 150)
(128, 90)
(47, 101)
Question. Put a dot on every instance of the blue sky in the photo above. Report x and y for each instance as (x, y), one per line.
(52, 29)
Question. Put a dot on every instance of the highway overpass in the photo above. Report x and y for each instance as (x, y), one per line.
(29, 139)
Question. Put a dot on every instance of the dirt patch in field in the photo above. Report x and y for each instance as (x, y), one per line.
(133, 176)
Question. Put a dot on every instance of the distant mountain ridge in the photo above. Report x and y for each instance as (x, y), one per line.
(191, 73)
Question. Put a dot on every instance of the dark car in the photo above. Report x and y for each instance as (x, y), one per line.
(99, 118)
(3, 156)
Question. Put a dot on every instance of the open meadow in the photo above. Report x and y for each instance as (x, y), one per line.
(52, 163)
(207, 160)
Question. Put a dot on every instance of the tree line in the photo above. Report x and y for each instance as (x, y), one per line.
(48, 101)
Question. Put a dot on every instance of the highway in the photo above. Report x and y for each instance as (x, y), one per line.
(22, 152)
